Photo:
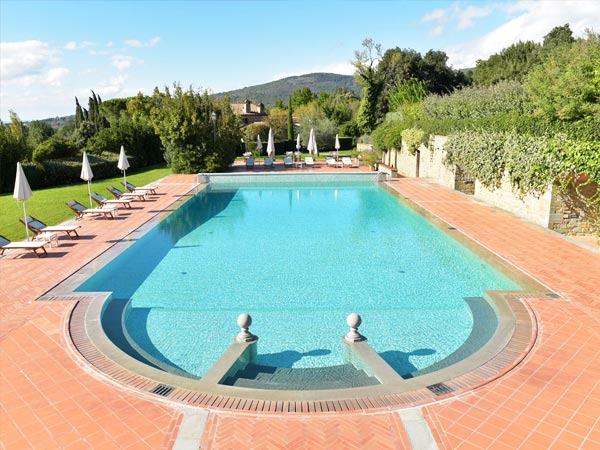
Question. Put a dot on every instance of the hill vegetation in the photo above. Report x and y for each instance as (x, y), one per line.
(269, 93)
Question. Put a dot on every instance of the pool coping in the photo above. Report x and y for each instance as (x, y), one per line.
(514, 348)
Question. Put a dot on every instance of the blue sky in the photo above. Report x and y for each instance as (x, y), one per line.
(52, 51)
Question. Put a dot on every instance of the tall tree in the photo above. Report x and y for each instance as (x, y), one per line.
(290, 123)
(512, 63)
(38, 132)
(372, 82)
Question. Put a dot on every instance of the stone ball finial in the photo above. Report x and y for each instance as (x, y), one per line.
(244, 321)
(354, 320)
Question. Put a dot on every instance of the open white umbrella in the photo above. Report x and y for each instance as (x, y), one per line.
(123, 164)
(22, 192)
(259, 145)
(87, 175)
(271, 144)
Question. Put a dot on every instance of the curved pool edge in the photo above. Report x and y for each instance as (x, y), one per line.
(515, 336)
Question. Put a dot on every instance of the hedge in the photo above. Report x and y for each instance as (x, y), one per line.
(66, 171)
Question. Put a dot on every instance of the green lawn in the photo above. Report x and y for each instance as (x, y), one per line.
(48, 205)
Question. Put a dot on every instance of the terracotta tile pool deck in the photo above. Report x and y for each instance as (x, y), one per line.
(50, 398)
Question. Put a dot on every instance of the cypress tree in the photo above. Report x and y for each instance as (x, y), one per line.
(79, 117)
(290, 122)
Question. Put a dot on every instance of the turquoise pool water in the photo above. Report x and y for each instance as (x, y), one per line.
(299, 260)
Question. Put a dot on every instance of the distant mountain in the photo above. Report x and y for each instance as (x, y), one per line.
(268, 93)
(56, 122)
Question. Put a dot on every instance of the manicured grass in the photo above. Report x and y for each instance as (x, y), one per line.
(48, 205)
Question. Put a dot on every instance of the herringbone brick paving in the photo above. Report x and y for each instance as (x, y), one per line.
(551, 400)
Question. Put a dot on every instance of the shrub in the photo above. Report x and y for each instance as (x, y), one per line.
(66, 171)
(481, 152)
(413, 137)
(54, 148)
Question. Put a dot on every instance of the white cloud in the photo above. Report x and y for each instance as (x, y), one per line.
(533, 21)
(463, 17)
(135, 43)
(123, 62)
(72, 45)
(55, 75)
(24, 59)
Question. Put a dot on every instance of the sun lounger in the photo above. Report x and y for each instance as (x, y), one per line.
(268, 162)
(331, 162)
(34, 246)
(309, 161)
(347, 161)
(81, 211)
(102, 201)
(37, 226)
(122, 195)
(250, 163)
(287, 162)
(148, 188)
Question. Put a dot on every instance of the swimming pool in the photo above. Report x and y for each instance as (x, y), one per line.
(299, 259)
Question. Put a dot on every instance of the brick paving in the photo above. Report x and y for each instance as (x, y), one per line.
(50, 398)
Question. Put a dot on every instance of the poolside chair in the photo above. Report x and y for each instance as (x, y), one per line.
(102, 201)
(309, 161)
(122, 195)
(131, 188)
(81, 211)
(287, 162)
(331, 162)
(250, 163)
(268, 162)
(38, 227)
(34, 246)
(347, 161)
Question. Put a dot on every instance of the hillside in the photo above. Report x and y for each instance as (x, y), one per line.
(268, 93)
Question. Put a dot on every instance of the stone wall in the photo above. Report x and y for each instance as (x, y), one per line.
(536, 210)
(568, 213)
(564, 213)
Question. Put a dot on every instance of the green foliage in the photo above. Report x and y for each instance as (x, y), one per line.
(530, 162)
(278, 122)
(512, 63)
(567, 86)
(408, 91)
(476, 102)
(388, 135)
(56, 172)
(302, 96)
(325, 131)
(12, 150)
(54, 148)
(372, 82)
(251, 133)
(182, 120)
(350, 128)
(290, 120)
(114, 109)
(481, 153)
(341, 106)
(413, 138)
(142, 145)
(38, 132)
